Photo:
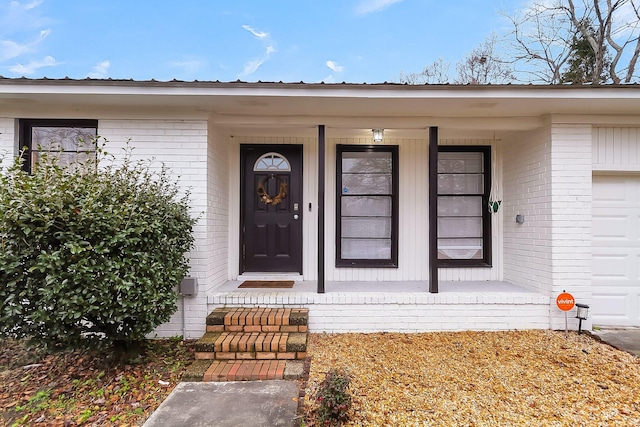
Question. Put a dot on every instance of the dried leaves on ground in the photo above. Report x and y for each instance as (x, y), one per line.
(480, 378)
(89, 389)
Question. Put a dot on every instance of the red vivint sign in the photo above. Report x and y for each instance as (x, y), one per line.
(565, 301)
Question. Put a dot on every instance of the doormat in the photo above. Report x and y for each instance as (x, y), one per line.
(266, 284)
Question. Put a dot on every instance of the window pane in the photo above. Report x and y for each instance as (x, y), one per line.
(366, 227)
(460, 162)
(67, 160)
(272, 162)
(366, 206)
(460, 206)
(367, 162)
(62, 138)
(462, 215)
(459, 227)
(366, 184)
(460, 184)
(368, 214)
(460, 249)
(366, 248)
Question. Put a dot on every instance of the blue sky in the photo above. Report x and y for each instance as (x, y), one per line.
(269, 40)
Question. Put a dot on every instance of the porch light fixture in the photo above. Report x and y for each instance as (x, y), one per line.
(378, 134)
(583, 311)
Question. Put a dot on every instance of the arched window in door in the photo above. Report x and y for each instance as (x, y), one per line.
(272, 162)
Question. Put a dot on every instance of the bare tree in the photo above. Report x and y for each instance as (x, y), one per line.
(544, 33)
(483, 65)
(435, 73)
(617, 24)
(540, 43)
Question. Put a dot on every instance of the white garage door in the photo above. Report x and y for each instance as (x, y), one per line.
(616, 251)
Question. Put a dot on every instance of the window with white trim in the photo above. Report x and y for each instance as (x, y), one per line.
(464, 222)
(69, 141)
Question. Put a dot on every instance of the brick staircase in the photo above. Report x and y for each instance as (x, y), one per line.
(248, 344)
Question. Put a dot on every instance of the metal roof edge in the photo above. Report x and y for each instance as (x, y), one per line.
(89, 82)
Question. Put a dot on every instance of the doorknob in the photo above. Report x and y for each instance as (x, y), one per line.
(296, 216)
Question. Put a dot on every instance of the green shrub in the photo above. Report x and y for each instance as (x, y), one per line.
(90, 255)
(333, 398)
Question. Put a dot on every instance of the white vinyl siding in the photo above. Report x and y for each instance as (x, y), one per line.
(616, 149)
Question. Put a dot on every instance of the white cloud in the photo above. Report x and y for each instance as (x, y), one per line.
(370, 6)
(252, 65)
(20, 16)
(329, 79)
(258, 34)
(335, 67)
(11, 49)
(188, 67)
(33, 4)
(33, 66)
(100, 70)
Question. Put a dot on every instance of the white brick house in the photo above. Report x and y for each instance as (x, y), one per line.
(564, 158)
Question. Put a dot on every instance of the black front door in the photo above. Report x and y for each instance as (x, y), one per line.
(271, 188)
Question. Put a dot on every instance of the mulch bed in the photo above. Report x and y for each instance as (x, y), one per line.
(440, 379)
(90, 389)
(480, 378)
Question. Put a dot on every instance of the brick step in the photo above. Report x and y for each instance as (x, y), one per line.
(252, 345)
(244, 370)
(256, 319)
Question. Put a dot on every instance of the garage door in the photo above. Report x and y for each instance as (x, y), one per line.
(616, 251)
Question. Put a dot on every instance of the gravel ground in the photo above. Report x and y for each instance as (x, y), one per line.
(481, 378)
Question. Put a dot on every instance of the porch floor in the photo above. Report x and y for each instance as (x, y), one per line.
(311, 286)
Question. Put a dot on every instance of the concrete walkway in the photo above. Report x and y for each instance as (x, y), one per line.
(627, 339)
(229, 404)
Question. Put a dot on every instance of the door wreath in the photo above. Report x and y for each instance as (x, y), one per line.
(272, 200)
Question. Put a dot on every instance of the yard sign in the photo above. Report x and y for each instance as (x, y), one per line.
(565, 302)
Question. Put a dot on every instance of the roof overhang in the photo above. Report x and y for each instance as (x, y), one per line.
(237, 104)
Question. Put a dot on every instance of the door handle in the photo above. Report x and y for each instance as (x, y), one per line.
(296, 216)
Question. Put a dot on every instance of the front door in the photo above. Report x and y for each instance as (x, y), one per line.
(271, 188)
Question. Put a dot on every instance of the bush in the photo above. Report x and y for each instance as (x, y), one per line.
(333, 398)
(90, 255)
